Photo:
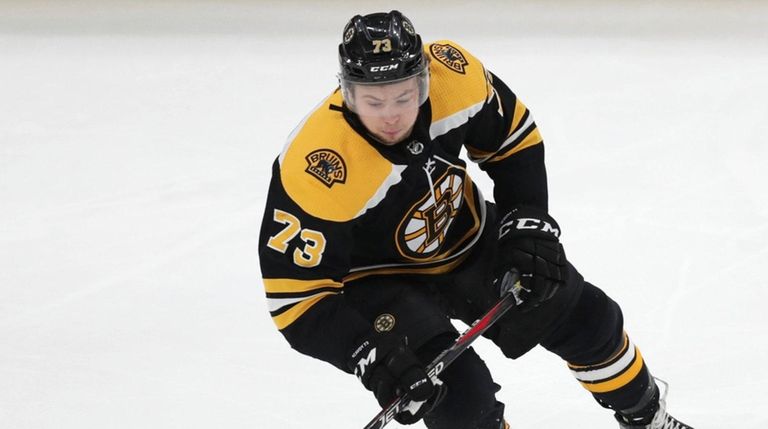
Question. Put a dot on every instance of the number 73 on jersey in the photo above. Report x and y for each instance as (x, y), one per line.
(307, 255)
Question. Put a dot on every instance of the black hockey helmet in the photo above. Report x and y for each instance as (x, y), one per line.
(381, 48)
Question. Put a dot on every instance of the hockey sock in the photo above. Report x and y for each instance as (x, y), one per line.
(621, 382)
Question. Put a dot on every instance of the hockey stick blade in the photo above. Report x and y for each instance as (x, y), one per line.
(462, 343)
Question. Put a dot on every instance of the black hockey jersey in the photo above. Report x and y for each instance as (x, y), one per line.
(342, 206)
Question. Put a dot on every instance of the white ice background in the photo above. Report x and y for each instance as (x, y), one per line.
(136, 140)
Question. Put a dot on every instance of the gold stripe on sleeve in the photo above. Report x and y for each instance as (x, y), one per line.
(477, 153)
(532, 139)
(520, 110)
(286, 318)
(292, 285)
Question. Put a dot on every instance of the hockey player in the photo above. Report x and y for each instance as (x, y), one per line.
(374, 236)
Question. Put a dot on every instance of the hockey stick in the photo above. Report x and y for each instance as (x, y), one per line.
(510, 286)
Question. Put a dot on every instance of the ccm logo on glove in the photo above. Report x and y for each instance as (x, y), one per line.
(525, 223)
(529, 242)
(389, 368)
(363, 362)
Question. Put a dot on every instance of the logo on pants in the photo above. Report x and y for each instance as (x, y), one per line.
(384, 323)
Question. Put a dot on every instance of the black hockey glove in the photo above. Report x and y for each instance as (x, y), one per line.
(388, 368)
(528, 242)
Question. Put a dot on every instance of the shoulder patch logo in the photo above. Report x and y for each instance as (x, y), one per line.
(450, 56)
(327, 166)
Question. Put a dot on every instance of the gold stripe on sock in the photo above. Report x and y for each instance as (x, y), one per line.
(620, 381)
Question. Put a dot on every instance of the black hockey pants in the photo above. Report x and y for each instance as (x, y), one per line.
(581, 324)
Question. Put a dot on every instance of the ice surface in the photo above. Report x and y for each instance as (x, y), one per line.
(135, 149)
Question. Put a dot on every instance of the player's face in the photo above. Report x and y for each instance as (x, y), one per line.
(388, 111)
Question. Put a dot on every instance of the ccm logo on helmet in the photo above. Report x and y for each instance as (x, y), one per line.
(385, 68)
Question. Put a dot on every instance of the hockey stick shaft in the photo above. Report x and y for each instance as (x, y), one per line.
(462, 343)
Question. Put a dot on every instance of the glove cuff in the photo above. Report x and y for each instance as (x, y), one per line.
(365, 352)
(370, 350)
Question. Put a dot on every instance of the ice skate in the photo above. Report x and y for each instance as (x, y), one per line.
(659, 420)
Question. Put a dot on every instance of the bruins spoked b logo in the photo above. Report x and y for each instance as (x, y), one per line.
(327, 166)
(450, 56)
(384, 323)
(422, 232)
